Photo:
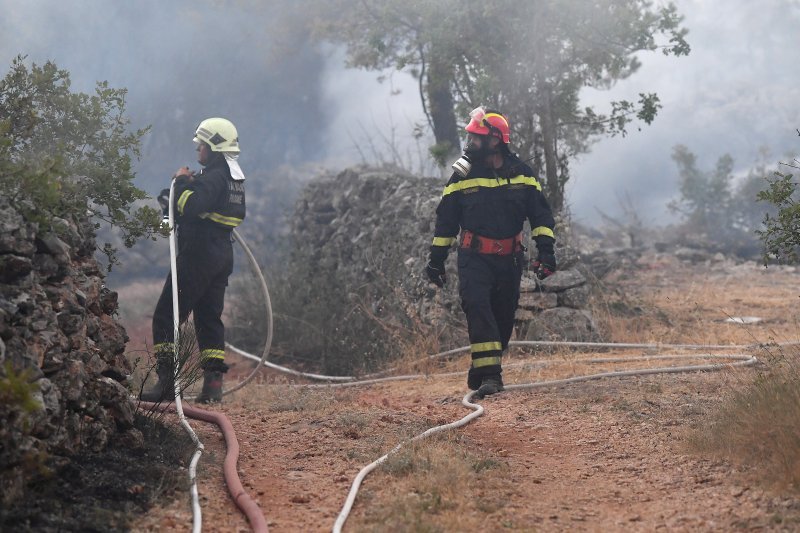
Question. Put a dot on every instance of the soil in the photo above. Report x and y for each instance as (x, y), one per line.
(616, 454)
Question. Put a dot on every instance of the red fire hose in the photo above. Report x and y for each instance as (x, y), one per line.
(242, 500)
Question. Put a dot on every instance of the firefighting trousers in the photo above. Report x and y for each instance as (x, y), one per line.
(489, 290)
(203, 272)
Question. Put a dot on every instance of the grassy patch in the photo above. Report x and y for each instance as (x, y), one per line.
(280, 399)
(758, 423)
(353, 424)
(433, 485)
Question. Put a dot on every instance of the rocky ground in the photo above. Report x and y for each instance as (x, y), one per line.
(617, 454)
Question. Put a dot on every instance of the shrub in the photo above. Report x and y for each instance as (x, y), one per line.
(63, 153)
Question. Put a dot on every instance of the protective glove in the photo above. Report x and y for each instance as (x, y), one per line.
(544, 265)
(163, 201)
(435, 267)
(184, 173)
(436, 274)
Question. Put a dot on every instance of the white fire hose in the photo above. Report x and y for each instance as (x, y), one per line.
(197, 514)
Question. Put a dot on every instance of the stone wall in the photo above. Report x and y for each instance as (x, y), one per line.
(554, 309)
(58, 333)
(370, 230)
(362, 236)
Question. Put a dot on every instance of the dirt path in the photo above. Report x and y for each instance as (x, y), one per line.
(601, 456)
(611, 456)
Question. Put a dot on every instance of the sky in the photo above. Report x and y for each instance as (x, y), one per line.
(736, 93)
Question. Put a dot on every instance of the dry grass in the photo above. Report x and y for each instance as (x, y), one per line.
(758, 423)
(288, 398)
(432, 487)
(652, 308)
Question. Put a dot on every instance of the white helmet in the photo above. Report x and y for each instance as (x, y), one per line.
(219, 133)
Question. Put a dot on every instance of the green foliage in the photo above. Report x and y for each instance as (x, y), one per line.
(63, 153)
(529, 59)
(781, 233)
(568, 46)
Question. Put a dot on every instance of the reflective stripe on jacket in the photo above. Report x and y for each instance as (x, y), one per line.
(493, 203)
(211, 202)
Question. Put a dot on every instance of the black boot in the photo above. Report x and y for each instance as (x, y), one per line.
(490, 385)
(212, 387)
(473, 380)
(164, 389)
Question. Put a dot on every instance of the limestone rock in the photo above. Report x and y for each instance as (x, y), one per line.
(58, 334)
(538, 300)
(574, 297)
(562, 280)
(559, 324)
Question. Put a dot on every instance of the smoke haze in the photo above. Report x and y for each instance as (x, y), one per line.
(736, 93)
(295, 103)
(181, 62)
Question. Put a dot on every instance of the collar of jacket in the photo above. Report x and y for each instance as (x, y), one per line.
(217, 163)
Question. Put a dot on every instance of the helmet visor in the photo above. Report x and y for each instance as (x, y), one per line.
(477, 115)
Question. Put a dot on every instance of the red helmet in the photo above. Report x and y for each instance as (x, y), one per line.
(483, 122)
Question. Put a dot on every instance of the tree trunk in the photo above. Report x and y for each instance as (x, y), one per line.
(441, 109)
(553, 189)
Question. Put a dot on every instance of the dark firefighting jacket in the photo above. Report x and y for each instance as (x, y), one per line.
(210, 204)
(493, 203)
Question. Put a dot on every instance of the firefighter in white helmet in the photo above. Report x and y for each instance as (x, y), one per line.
(208, 205)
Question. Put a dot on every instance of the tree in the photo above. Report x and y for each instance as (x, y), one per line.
(424, 36)
(705, 196)
(558, 48)
(781, 233)
(717, 208)
(528, 59)
(748, 211)
(63, 153)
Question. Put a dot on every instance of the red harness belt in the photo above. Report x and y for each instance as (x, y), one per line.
(485, 245)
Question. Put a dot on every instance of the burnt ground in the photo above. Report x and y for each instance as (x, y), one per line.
(104, 491)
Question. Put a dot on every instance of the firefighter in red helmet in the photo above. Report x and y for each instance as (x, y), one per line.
(484, 206)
